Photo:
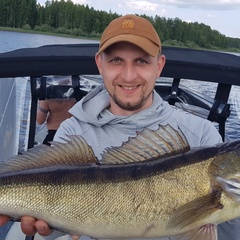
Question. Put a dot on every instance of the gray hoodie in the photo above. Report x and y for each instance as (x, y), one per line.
(101, 129)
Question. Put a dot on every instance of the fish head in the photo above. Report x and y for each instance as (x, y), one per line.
(225, 171)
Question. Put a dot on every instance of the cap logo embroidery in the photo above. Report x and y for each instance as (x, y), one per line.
(128, 23)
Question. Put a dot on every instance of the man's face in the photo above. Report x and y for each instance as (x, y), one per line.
(129, 76)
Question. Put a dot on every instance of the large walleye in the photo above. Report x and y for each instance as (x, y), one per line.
(140, 191)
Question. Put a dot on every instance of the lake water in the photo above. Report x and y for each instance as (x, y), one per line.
(13, 40)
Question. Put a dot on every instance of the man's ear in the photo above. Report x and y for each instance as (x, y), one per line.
(161, 64)
(98, 60)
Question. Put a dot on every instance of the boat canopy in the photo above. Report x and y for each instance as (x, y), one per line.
(79, 59)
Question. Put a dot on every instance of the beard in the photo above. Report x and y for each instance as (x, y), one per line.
(128, 105)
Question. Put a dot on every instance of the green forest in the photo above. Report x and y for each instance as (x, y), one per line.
(65, 17)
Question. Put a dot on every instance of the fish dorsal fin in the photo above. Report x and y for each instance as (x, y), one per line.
(195, 210)
(75, 151)
(206, 232)
(146, 145)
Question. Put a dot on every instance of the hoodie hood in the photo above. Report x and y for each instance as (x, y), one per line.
(93, 109)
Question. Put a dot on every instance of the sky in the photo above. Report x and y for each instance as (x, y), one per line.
(220, 15)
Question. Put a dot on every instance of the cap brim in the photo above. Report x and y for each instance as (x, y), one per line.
(143, 43)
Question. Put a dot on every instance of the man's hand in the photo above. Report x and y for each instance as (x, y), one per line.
(4, 219)
(75, 237)
(31, 225)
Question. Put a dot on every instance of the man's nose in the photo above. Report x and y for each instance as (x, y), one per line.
(129, 72)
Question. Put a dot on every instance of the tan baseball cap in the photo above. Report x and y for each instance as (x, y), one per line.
(133, 29)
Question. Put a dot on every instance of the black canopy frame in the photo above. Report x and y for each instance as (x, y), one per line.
(79, 59)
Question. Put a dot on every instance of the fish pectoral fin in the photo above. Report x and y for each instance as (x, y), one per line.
(231, 188)
(206, 232)
(195, 210)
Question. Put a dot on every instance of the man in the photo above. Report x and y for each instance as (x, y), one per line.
(53, 112)
(129, 60)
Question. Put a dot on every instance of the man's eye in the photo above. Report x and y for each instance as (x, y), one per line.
(115, 60)
(141, 61)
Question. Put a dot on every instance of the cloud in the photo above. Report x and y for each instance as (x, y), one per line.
(142, 5)
(81, 2)
(204, 4)
(154, 5)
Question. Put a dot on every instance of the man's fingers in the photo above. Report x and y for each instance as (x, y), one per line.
(31, 226)
(75, 237)
(43, 228)
(28, 225)
(3, 219)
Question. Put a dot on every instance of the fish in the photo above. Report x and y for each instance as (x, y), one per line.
(152, 186)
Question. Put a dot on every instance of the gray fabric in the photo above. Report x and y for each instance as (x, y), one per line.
(101, 129)
(229, 230)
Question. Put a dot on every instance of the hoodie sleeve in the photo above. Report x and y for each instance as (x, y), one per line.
(198, 131)
(70, 126)
(210, 135)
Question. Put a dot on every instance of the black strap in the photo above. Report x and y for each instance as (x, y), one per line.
(174, 91)
(41, 92)
(29, 238)
(33, 113)
(220, 110)
(76, 87)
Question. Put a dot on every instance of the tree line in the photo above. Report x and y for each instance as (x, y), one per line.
(65, 17)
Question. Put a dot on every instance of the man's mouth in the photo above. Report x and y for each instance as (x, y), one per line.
(129, 88)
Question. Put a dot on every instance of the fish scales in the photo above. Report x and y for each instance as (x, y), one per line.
(109, 205)
(153, 198)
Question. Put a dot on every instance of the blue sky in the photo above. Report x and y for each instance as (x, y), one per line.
(220, 15)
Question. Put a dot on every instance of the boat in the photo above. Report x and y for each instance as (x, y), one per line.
(69, 70)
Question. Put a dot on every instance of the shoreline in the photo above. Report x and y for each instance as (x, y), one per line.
(98, 39)
(21, 30)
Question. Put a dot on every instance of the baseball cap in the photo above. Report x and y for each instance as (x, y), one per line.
(133, 29)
